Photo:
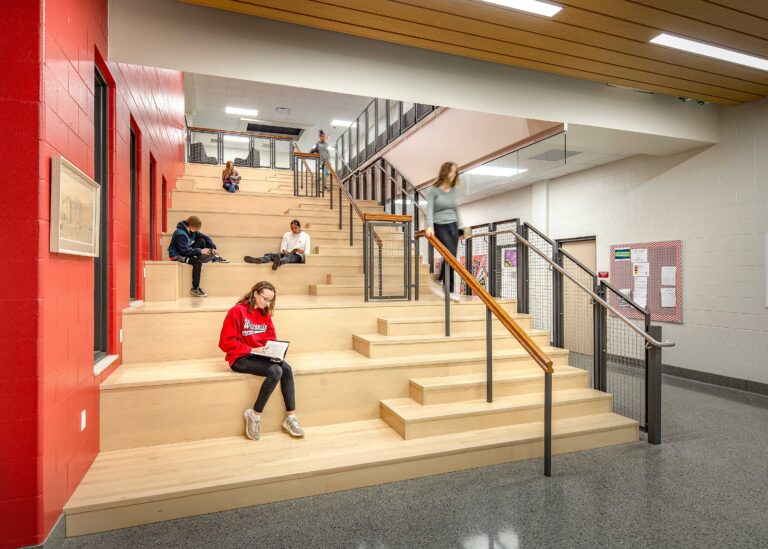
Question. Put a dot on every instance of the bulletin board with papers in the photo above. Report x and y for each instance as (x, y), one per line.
(651, 274)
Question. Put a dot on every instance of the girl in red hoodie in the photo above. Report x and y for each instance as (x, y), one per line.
(247, 327)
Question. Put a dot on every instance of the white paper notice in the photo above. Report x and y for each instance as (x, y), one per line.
(642, 301)
(641, 269)
(668, 276)
(640, 255)
(668, 298)
(641, 283)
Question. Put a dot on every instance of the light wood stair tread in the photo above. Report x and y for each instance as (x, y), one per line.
(441, 318)
(216, 369)
(469, 380)
(412, 411)
(122, 477)
(381, 339)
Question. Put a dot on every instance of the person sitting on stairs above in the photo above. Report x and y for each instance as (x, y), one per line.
(190, 245)
(294, 248)
(230, 179)
(246, 329)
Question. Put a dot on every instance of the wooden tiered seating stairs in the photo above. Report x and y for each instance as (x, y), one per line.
(382, 394)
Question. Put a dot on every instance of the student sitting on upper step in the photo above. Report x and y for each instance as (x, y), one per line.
(294, 248)
(190, 245)
(230, 179)
(246, 329)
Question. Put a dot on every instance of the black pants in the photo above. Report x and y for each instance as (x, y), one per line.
(448, 235)
(274, 372)
(197, 262)
(284, 258)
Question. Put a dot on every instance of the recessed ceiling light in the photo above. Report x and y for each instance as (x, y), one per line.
(531, 6)
(239, 110)
(344, 123)
(250, 119)
(708, 50)
(496, 171)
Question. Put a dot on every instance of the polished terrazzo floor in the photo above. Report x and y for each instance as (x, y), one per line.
(705, 486)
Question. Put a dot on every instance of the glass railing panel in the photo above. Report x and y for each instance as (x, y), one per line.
(409, 115)
(283, 154)
(203, 147)
(394, 120)
(261, 152)
(361, 128)
(370, 134)
(381, 123)
(236, 149)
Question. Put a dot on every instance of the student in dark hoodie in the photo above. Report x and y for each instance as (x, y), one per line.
(190, 245)
(246, 329)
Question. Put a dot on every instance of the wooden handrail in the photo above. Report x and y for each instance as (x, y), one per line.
(387, 217)
(507, 321)
(306, 155)
(247, 134)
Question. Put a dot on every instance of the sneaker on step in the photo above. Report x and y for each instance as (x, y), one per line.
(222, 260)
(252, 424)
(456, 297)
(275, 262)
(291, 425)
(250, 259)
(198, 292)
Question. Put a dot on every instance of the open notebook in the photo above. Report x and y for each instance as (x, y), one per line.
(274, 349)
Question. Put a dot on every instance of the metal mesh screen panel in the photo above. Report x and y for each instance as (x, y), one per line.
(578, 318)
(505, 262)
(388, 261)
(540, 284)
(626, 368)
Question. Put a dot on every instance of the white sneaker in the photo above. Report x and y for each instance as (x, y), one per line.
(456, 297)
(252, 424)
(291, 425)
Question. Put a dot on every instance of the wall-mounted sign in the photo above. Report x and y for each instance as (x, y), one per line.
(621, 254)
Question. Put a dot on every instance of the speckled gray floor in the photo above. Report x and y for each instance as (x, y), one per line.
(705, 486)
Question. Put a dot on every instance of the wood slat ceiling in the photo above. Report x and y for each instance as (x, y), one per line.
(600, 40)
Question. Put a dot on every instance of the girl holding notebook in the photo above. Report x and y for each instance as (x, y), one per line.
(245, 334)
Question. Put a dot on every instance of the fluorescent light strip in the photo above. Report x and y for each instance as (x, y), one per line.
(240, 110)
(236, 138)
(530, 6)
(496, 171)
(707, 50)
(344, 123)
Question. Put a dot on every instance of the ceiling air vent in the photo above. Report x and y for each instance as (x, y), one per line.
(553, 155)
(280, 130)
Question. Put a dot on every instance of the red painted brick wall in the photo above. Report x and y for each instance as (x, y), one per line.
(46, 326)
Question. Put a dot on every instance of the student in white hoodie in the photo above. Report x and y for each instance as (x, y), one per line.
(294, 247)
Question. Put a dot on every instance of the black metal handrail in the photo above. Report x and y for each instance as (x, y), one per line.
(199, 155)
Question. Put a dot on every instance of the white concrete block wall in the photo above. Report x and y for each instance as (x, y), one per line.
(715, 200)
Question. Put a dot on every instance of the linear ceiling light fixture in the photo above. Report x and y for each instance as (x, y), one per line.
(530, 6)
(240, 110)
(496, 171)
(343, 123)
(708, 50)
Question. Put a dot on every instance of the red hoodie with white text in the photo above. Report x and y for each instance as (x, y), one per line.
(243, 329)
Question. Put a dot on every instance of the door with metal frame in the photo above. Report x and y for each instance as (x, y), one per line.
(577, 305)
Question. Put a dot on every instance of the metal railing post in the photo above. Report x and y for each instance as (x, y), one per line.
(492, 261)
(351, 233)
(366, 259)
(488, 355)
(416, 264)
(558, 339)
(523, 297)
(468, 261)
(392, 208)
(600, 346)
(382, 185)
(407, 258)
(403, 199)
(446, 278)
(653, 386)
(547, 424)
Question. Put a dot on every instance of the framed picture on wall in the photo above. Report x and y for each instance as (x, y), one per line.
(74, 210)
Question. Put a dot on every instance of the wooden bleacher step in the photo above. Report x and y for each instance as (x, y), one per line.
(435, 325)
(131, 487)
(412, 420)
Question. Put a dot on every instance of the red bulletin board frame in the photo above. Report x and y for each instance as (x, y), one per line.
(660, 254)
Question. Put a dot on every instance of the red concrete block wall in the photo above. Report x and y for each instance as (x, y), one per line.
(46, 326)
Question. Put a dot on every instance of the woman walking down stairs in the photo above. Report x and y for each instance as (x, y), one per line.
(384, 395)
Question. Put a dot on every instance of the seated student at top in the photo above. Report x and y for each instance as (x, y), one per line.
(230, 179)
(246, 329)
(190, 245)
(294, 247)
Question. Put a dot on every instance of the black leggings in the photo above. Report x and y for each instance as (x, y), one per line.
(448, 235)
(274, 372)
(197, 261)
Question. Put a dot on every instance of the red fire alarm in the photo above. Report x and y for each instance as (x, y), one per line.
(602, 274)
